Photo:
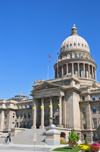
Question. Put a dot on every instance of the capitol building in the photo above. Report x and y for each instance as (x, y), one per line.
(71, 99)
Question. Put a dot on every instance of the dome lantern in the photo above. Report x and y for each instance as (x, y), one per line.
(74, 30)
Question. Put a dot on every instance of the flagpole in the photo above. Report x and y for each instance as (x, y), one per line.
(48, 69)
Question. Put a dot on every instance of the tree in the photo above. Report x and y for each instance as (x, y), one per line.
(73, 138)
(86, 141)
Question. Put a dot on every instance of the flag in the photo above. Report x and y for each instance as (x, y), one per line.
(50, 56)
(57, 53)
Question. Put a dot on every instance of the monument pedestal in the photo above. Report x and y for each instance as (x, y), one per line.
(52, 136)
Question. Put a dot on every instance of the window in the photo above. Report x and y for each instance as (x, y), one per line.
(85, 45)
(99, 109)
(83, 98)
(84, 126)
(83, 113)
(13, 115)
(70, 56)
(13, 124)
(79, 55)
(99, 97)
(94, 109)
(6, 105)
(14, 106)
(84, 136)
(95, 137)
(17, 115)
(5, 125)
(74, 55)
(30, 105)
(70, 44)
(29, 115)
(93, 98)
(21, 106)
(78, 44)
(74, 44)
(29, 126)
(95, 123)
(5, 115)
(18, 106)
(24, 115)
(25, 105)
(20, 115)
(82, 44)
(67, 45)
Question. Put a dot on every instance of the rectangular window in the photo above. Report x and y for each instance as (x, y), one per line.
(95, 123)
(13, 124)
(25, 105)
(84, 126)
(29, 115)
(83, 98)
(84, 136)
(83, 113)
(30, 106)
(5, 125)
(99, 109)
(99, 97)
(14, 106)
(18, 106)
(17, 115)
(20, 115)
(93, 98)
(24, 115)
(94, 109)
(5, 115)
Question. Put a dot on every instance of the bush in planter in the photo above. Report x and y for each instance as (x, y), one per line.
(73, 138)
(62, 142)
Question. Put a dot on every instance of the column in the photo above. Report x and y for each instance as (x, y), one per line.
(78, 70)
(88, 116)
(66, 68)
(42, 113)
(62, 70)
(72, 68)
(84, 69)
(88, 71)
(60, 110)
(95, 74)
(51, 107)
(2, 120)
(92, 71)
(34, 113)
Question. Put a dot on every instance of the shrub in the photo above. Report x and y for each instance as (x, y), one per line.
(73, 138)
(94, 148)
(62, 142)
(86, 141)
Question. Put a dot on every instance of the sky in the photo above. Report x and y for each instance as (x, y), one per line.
(32, 29)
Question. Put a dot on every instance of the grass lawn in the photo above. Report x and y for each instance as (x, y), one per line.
(68, 149)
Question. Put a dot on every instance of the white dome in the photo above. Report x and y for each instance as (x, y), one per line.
(74, 42)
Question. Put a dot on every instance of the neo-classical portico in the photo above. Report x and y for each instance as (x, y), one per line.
(51, 112)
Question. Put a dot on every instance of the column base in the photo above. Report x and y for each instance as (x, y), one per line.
(41, 127)
(33, 127)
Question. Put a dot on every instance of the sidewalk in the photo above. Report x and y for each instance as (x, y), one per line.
(27, 148)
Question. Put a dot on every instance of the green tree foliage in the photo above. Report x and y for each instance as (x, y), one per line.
(86, 141)
(73, 137)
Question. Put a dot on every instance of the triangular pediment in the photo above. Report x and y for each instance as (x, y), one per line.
(46, 86)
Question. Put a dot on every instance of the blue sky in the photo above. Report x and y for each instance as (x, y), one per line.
(32, 29)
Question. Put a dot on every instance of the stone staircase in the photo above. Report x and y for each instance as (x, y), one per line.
(26, 137)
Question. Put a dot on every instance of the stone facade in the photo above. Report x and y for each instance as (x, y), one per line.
(71, 99)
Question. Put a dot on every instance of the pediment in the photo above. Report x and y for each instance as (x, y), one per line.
(46, 86)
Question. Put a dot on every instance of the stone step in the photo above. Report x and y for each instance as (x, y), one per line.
(26, 137)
